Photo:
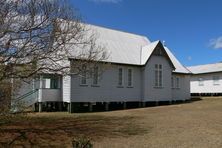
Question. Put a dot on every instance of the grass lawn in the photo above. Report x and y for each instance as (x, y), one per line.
(196, 124)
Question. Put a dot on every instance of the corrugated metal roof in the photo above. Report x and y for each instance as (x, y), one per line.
(147, 51)
(123, 47)
(179, 67)
(128, 48)
(208, 68)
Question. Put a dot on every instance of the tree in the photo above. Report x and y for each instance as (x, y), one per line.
(38, 36)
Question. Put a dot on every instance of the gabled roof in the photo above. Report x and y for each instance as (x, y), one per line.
(179, 67)
(147, 52)
(208, 68)
(132, 49)
(122, 47)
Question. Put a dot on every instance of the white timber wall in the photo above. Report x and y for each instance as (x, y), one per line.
(208, 83)
(53, 95)
(108, 89)
(183, 91)
(66, 88)
(150, 92)
(143, 85)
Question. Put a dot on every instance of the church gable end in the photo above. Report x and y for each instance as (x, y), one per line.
(160, 51)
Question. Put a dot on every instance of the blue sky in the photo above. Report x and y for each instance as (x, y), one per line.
(192, 29)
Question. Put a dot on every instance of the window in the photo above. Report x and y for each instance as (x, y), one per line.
(177, 82)
(83, 75)
(95, 75)
(46, 82)
(120, 76)
(201, 82)
(158, 75)
(55, 83)
(51, 82)
(172, 82)
(216, 80)
(130, 78)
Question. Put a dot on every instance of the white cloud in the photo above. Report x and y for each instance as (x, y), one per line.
(216, 43)
(189, 58)
(106, 1)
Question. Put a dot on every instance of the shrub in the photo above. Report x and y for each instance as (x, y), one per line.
(82, 142)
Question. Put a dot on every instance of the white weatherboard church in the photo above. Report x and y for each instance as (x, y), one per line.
(141, 72)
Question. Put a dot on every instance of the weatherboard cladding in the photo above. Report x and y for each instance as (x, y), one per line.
(208, 68)
(128, 48)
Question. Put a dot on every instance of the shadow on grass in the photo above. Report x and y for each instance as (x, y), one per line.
(59, 131)
(195, 99)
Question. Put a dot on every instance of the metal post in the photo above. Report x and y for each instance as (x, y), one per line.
(40, 88)
(170, 102)
(68, 108)
(40, 106)
(124, 105)
(143, 104)
(107, 106)
(157, 103)
(60, 106)
(90, 107)
(140, 104)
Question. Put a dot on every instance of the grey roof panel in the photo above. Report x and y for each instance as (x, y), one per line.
(179, 67)
(208, 68)
(128, 48)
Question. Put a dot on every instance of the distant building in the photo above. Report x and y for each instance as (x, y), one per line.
(206, 79)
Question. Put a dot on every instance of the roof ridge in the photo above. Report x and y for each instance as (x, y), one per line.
(204, 65)
(157, 41)
(135, 34)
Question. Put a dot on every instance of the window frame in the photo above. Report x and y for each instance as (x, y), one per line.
(128, 80)
(172, 82)
(158, 76)
(156, 80)
(122, 77)
(95, 76)
(216, 81)
(177, 82)
(83, 76)
(51, 82)
(200, 81)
